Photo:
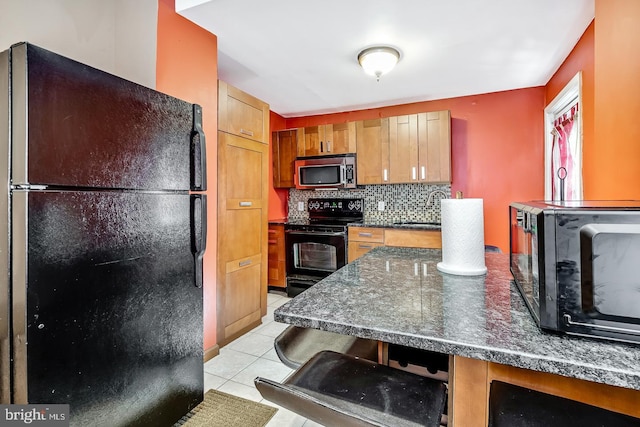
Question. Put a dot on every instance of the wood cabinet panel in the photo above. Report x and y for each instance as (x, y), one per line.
(429, 239)
(420, 148)
(242, 114)
(372, 146)
(470, 381)
(321, 140)
(277, 258)
(243, 162)
(363, 239)
(403, 149)
(434, 147)
(284, 147)
(366, 234)
(357, 249)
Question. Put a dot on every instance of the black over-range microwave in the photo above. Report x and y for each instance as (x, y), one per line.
(318, 172)
(577, 265)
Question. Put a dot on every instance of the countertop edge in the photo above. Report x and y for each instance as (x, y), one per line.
(504, 357)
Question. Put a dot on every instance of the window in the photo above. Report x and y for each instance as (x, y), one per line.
(563, 144)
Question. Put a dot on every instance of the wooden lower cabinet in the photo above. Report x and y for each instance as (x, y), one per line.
(470, 381)
(277, 259)
(363, 239)
(242, 235)
(429, 239)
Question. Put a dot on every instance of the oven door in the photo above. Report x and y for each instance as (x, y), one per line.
(314, 253)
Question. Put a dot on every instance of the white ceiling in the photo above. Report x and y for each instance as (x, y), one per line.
(300, 56)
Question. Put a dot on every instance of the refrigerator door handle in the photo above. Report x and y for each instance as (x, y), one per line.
(198, 157)
(198, 233)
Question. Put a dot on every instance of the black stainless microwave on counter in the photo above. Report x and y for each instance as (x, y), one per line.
(577, 265)
(334, 171)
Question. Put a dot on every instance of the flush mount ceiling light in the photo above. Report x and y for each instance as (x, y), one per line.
(378, 60)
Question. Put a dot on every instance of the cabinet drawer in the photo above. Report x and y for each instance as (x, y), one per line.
(429, 239)
(357, 249)
(366, 234)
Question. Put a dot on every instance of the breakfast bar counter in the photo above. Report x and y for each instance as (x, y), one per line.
(397, 295)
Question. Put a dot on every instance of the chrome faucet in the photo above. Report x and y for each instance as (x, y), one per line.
(446, 196)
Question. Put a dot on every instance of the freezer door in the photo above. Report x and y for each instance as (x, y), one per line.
(76, 126)
(5, 339)
(107, 309)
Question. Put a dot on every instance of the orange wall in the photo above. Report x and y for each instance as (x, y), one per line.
(277, 196)
(187, 68)
(612, 159)
(582, 59)
(497, 150)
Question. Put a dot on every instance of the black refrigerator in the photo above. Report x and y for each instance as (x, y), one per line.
(103, 232)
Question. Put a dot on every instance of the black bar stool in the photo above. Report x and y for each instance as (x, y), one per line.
(295, 345)
(336, 389)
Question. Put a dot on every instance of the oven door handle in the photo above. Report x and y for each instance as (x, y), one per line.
(315, 233)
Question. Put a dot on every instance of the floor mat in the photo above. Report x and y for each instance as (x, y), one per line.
(225, 410)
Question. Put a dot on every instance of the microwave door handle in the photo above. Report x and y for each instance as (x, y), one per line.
(343, 174)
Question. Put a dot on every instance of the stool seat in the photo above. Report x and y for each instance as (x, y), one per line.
(295, 345)
(343, 390)
(515, 406)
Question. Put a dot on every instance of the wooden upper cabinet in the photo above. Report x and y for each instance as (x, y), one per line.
(420, 148)
(403, 149)
(242, 114)
(434, 149)
(372, 146)
(284, 144)
(329, 139)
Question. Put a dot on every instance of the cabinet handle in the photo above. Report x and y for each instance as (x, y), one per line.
(244, 263)
(272, 231)
(272, 241)
(328, 146)
(246, 132)
(365, 234)
(413, 173)
(423, 172)
(246, 204)
(385, 175)
(365, 246)
(424, 270)
(321, 149)
(415, 268)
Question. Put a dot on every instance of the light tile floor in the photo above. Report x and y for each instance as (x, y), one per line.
(252, 355)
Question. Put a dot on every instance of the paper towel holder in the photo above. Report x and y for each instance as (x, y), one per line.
(462, 247)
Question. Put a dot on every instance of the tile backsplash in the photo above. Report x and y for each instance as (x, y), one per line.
(402, 202)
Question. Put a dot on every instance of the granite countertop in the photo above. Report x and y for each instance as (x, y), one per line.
(407, 225)
(397, 295)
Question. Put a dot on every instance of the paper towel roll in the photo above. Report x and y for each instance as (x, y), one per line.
(462, 237)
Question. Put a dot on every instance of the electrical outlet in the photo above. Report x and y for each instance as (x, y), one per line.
(301, 206)
(381, 205)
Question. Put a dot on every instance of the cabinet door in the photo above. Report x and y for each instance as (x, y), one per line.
(242, 234)
(241, 114)
(277, 272)
(403, 149)
(284, 150)
(313, 139)
(434, 147)
(330, 139)
(340, 138)
(372, 141)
